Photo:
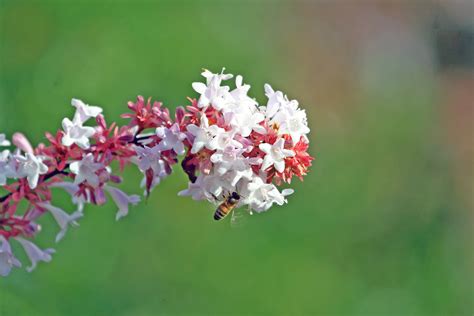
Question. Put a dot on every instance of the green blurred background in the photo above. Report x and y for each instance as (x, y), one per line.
(383, 223)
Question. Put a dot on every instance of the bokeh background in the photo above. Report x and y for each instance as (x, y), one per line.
(383, 224)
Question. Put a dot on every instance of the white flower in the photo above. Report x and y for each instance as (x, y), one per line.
(9, 164)
(207, 187)
(225, 140)
(261, 195)
(151, 158)
(204, 136)
(4, 141)
(6, 168)
(240, 93)
(244, 120)
(285, 114)
(216, 186)
(196, 189)
(171, 138)
(7, 259)
(122, 200)
(275, 100)
(84, 111)
(230, 164)
(62, 218)
(212, 93)
(75, 133)
(31, 167)
(156, 180)
(275, 155)
(85, 170)
(240, 171)
(209, 75)
(34, 253)
(293, 122)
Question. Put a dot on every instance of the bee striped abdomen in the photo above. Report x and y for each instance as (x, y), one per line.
(227, 206)
(222, 211)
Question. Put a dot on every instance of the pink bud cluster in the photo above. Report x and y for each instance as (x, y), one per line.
(229, 142)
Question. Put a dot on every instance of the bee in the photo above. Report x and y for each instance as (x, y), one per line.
(227, 206)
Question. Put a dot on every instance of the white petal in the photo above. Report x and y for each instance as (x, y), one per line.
(267, 162)
(265, 147)
(238, 81)
(83, 143)
(93, 180)
(4, 141)
(179, 148)
(272, 109)
(67, 141)
(34, 253)
(74, 167)
(288, 153)
(93, 111)
(7, 259)
(62, 218)
(43, 168)
(268, 89)
(122, 200)
(258, 117)
(160, 131)
(280, 165)
(33, 180)
(199, 87)
(77, 103)
(260, 129)
(66, 124)
(193, 129)
(88, 131)
(5, 265)
(245, 131)
(197, 146)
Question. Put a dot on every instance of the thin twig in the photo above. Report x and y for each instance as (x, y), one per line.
(46, 178)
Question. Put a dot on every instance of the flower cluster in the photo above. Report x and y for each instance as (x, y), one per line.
(230, 143)
(77, 159)
(235, 145)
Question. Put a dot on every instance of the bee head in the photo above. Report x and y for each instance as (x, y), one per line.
(235, 196)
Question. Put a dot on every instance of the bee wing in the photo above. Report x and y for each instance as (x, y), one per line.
(238, 217)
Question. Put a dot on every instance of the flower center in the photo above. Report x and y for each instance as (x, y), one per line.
(294, 124)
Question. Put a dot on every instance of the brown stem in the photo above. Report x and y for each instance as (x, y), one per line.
(56, 172)
(46, 178)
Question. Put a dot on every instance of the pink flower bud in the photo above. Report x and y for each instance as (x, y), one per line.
(101, 121)
(20, 141)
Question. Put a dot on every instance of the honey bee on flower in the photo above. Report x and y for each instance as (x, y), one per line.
(234, 151)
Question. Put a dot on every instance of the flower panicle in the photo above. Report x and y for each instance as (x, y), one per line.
(237, 146)
(231, 147)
